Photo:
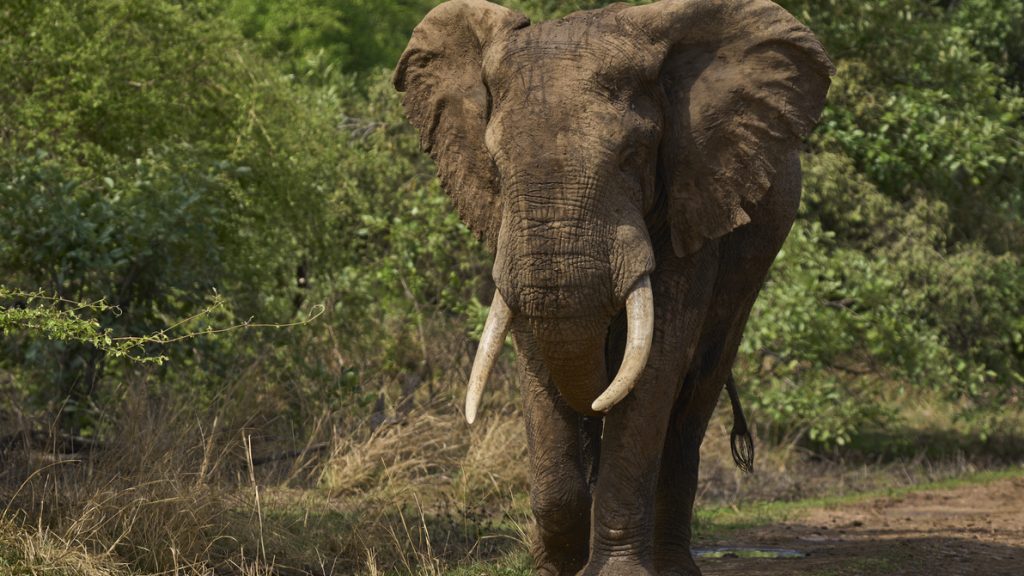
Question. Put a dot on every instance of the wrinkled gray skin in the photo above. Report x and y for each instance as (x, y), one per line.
(589, 152)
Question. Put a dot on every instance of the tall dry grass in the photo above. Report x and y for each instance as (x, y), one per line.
(408, 488)
(429, 492)
(154, 497)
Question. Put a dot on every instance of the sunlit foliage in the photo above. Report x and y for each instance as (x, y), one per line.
(165, 155)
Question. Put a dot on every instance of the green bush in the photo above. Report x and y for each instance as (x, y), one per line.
(352, 36)
(156, 160)
(166, 156)
(869, 297)
(925, 103)
(151, 159)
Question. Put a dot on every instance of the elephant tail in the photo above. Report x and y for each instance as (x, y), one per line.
(740, 439)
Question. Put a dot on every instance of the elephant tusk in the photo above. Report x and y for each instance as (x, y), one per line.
(495, 329)
(639, 335)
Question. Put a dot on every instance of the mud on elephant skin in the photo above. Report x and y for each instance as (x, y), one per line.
(635, 170)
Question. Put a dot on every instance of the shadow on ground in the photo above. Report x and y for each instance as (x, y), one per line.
(889, 553)
(967, 531)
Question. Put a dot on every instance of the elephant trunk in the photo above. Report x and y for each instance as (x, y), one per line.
(639, 337)
(574, 353)
(564, 268)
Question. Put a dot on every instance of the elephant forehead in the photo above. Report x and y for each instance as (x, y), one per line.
(592, 58)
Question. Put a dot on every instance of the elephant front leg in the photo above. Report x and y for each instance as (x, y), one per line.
(560, 443)
(745, 257)
(677, 485)
(623, 518)
(634, 432)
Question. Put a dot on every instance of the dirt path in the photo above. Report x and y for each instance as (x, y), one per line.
(967, 531)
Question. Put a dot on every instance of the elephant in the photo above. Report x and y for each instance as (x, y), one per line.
(634, 171)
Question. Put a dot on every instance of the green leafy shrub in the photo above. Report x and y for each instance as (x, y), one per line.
(149, 159)
(879, 300)
(348, 35)
(152, 153)
(157, 161)
(923, 104)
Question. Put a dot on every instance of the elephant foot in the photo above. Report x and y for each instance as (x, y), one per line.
(618, 566)
(556, 562)
(547, 567)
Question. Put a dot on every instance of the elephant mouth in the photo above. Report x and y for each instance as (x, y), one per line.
(639, 337)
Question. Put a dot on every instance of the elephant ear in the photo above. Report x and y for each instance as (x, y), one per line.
(745, 83)
(448, 103)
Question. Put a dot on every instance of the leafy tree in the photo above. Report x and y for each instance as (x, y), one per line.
(150, 158)
(838, 324)
(350, 35)
(151, 153)
(923, 105)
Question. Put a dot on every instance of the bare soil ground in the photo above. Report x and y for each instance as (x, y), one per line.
(965, 531)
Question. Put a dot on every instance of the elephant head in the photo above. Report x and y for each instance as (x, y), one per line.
(574, 149)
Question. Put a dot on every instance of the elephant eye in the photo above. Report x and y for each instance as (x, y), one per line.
(490, 99)
(630, 157)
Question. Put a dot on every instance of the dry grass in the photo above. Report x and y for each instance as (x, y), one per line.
(422, 449)
(496, 462)
(929, 442)
(159, 497)
(180, 494)
(411, 489)
(29, 550)
(429, 492)
(183, 494)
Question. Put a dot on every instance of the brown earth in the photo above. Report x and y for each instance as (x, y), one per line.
(967, 531)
